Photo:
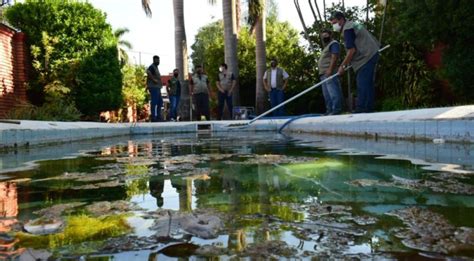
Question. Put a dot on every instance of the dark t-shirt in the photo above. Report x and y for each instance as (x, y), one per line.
(349, 38)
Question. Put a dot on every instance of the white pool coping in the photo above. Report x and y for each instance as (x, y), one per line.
(449, 124)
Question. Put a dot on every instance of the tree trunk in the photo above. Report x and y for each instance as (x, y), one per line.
(230, 46)
(238, 12)
(181, 56)
(261, 59)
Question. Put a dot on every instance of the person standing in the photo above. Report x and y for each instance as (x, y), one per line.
(275, 80)
(225, 87)
(327, 66)
(174, 93)
(154, 86)
(200, 91)
(362, 53)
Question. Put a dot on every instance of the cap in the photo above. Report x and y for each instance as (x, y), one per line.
(337, 15)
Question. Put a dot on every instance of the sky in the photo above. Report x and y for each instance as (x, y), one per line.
(155, 35)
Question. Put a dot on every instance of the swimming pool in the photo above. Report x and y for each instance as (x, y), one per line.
(250, 195)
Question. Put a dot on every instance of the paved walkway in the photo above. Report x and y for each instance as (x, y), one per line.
(450, 124)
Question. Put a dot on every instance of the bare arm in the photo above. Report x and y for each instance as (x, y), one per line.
(265, 84)
(332, 65)
(285, 82)
(347, 60)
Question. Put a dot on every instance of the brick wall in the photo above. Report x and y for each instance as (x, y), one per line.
(13, 68)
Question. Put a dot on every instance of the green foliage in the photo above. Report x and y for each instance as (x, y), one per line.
(133, 91)
(414, 28)
(51, 111)
(100, 82)
(122, 44)
(64, 37)
(282, 43)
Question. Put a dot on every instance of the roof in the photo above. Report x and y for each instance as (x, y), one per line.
(11, 28)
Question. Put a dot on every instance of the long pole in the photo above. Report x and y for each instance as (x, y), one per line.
(304, 92)
(294, 97)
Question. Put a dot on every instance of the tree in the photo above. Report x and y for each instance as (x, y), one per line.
(133, 93)
(283, 42)
(230, 18)
(122, 44)
(257, 21)
(81, 54)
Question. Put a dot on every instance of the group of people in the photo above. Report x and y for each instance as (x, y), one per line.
(199, 90)
(361, 54)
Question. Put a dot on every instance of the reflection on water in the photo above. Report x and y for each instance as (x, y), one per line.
(265, 188)
(8, 205)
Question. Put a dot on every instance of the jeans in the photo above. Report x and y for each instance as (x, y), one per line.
(221, 98)
(332, 95)
(365, 85)
(174, 103)
(202, 105)
(277, 96)
(156, 104)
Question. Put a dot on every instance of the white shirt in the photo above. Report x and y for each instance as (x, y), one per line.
(274, 77)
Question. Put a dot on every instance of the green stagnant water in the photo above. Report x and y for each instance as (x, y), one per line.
(274, 197)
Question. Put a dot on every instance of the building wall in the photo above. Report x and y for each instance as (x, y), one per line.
(13, 68)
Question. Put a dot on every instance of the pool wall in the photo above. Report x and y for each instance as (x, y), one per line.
(451, 124)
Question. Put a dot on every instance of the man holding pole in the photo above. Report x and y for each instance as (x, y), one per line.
(362, 53)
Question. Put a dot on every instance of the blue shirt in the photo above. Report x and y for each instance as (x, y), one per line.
(334, 48)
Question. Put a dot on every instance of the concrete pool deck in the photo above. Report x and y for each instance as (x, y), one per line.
(449, 124)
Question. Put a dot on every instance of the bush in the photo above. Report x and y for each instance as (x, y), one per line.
(73, 47)
(51, 111)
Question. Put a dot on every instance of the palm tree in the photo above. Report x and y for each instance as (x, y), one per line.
(230, 46)
(181, 51)
(257, 21)
(230, 16)
(122, 44)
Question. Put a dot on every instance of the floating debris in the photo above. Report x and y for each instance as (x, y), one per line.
(108, 208)
(169, 224)
(445, 184)
(202, 225)
(57, 210)
(44, 226)
(269, 250)
(212, 251)
(431, 232)
(364, 220)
